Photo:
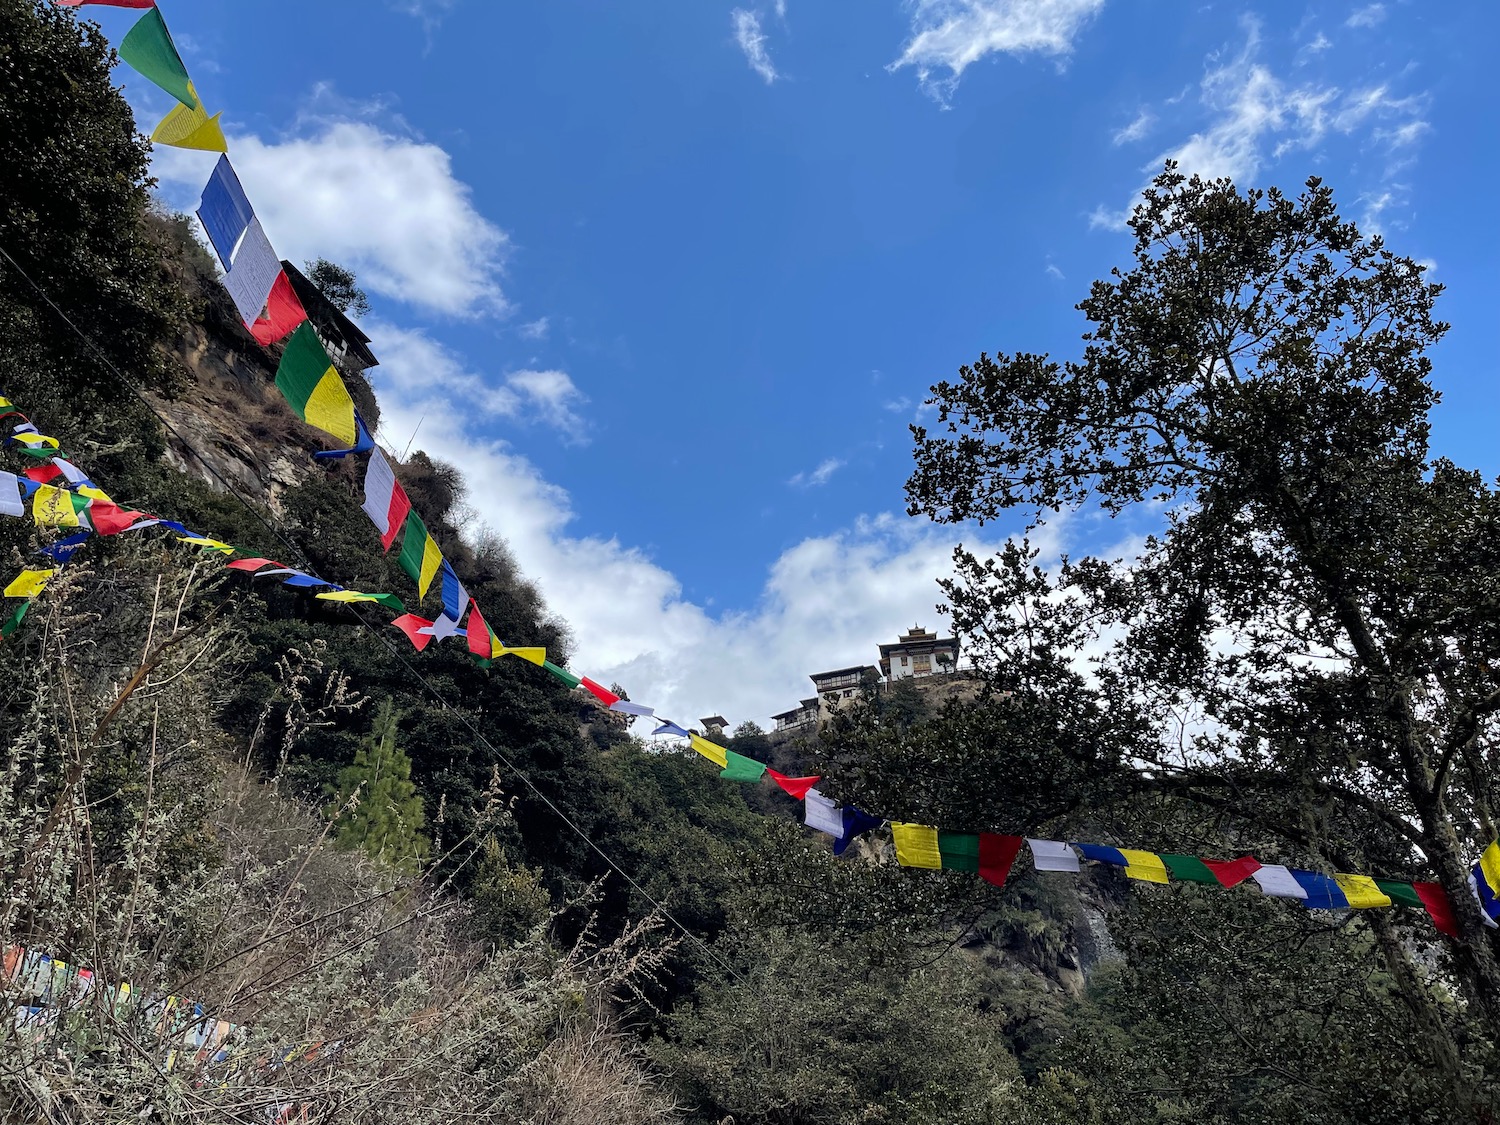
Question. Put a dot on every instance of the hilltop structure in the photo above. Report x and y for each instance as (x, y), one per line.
(914, 654)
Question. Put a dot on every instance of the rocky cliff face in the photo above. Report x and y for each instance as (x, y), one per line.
(231, 425)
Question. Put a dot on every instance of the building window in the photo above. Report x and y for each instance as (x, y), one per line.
(903, 662)
(922, 665)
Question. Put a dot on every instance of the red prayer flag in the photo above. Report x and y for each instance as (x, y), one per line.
(399, 510)
(410, 623)
(1233, 872)
(996, 854)
(796, 786)
(111, 519)
(252, 564)
(42, 473)
(479, 633)
(1439, 909)
(283, 313)
(603, 694)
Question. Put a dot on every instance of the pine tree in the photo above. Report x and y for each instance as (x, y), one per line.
(386, 822)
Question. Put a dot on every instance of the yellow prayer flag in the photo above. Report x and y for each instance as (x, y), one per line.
(204, 541)
(1361, 891)
(330, 408)
(26, 437)
(53, 507)
(5, 403)
(29, 583)
(1145, 866)
(710, 750)
(93, 492)
(537, 656)
(917, 846)
(190, 128)
(1489, 867)
(346, 596)
(432, 559)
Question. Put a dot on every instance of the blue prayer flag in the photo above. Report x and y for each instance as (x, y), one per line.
(224, 211)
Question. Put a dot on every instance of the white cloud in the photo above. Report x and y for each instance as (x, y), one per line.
(385, 205)
(1254, 115)
(752, 41)
(1319, 44)
(781, 10)
(535, 330)
(413, 365)
(1053, 272)
(819, 476)
(950, 35)
(1136, 129)
(825, 603)
(1368, 16)
(898, 405)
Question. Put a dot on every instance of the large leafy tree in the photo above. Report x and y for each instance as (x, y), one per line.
(1302, 658)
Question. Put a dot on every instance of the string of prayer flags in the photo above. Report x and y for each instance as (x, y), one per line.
(225, 211)
(11, 503)
(412, 626)
(33, 443)
(823, 814)
(385, 500)
(738, 767)
(710, 750)
(1053, 855)
(1145, 866)
(29, 583)
(310, 382)
(148, 47)
(1322, 893)
(191, 127)
(567, 677)
(284, 312)
(250, 278)
(796, 787)
(419, 557)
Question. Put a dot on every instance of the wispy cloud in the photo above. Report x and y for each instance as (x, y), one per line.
(950, 35)
(819, 476)
(1368, 16)
(535, 330)
(1054, 273)
(752, 41)
(413, 366)
(1255, 116)
(1136, 129)
(898, 405)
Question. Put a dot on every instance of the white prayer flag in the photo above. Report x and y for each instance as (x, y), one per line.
(11, 503)
(628, 708)
(254, 273)
(823, 814)
(1053, 855)
(1277, 881)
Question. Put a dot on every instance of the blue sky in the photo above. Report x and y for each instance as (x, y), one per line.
(670, 280)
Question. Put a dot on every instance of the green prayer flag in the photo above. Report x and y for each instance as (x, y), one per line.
(1403, 894)
(413, 546)
(562, 674)
(13, 622)
(390, 601)
(960, 850)
(149, 48)
(1189, 868)
(303, 365)
(741, 768)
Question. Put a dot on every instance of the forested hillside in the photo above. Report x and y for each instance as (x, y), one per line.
(236, 795)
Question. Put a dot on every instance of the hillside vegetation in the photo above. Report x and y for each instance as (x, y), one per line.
(187, 761)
